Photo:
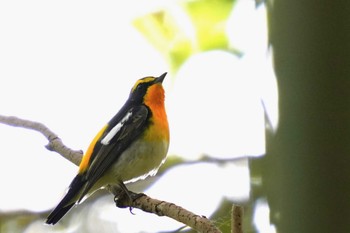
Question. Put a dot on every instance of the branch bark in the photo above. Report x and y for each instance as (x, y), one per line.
(163, 208)
(145, 203)
(237, 217)
(55, 143)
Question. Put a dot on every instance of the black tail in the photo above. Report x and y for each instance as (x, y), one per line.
(67, 202)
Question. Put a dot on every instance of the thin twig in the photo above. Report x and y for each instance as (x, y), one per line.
(162, 208)
(237, 216)
(55, 143)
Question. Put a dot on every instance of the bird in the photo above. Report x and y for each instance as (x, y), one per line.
(130, 147)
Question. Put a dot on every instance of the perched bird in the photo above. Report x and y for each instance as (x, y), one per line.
(131, 146)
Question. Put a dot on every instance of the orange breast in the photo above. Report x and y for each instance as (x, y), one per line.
(154, 99)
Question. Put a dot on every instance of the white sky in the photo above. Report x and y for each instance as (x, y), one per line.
(71, 64)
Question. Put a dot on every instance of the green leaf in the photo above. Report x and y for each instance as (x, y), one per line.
(209, 18)
(192, 27)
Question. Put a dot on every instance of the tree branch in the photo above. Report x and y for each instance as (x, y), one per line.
(55, 143)
(163, 208)
(237, 216)
(145, 203)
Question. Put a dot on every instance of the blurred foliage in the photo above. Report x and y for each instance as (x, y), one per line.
(17, 221)
(171, 32)
(170, 162)
(209, 19)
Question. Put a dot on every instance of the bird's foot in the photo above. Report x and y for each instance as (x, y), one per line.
(125, 198)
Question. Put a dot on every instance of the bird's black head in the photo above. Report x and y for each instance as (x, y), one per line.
(141, 86)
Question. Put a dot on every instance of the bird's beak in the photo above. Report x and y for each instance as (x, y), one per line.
(161, 78)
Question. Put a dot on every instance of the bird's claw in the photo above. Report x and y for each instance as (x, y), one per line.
(125, 199)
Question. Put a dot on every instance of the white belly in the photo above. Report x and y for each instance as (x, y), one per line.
(139, 161)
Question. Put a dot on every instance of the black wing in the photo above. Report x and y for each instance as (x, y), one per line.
(112, 144)
(67, 202)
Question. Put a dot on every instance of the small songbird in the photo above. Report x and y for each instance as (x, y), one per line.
(131, 146)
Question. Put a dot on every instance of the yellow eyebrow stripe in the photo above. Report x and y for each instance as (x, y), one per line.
(144, 80)
(86, 159)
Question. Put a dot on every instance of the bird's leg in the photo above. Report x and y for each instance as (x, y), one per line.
(124, 197)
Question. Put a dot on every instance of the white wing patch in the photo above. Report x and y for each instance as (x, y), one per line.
(106, 140)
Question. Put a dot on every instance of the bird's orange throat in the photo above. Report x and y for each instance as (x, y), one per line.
(154, 99)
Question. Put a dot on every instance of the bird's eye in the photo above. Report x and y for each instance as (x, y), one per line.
(140, 86)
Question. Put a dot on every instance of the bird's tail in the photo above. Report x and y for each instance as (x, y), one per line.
(67, 202)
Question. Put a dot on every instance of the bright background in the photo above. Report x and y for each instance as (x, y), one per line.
(71, 64)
